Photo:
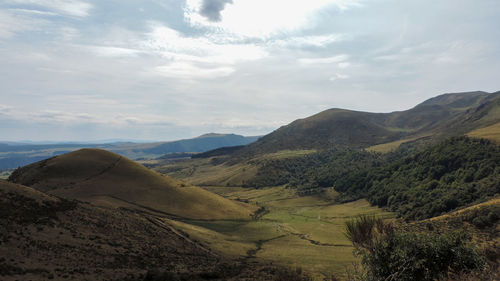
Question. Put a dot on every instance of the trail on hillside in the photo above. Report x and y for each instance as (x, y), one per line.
(105, 170)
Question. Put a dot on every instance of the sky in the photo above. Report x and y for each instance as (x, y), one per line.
(85, 70)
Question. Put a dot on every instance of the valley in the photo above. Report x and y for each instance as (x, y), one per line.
(295, 231)
(275, 209)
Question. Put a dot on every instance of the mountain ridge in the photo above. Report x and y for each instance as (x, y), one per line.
(444, 115)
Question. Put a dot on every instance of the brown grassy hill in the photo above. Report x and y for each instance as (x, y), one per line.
(46, 238)
(106, 178)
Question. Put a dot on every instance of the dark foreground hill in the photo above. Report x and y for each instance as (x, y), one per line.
(445, 115)
(46, 238)
(108, 179)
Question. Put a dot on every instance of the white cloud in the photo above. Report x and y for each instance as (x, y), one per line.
(33, 12)
(5, 109)
(202, 49)
(107, 51)
(339, 76)
(307, 41)
(262, 18)
(328, 60)
(344, 64)
(10, 24)
(74, 8)
(197, 57)
(190, 71)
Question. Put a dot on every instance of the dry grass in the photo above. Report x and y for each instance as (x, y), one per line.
(105, 178)
(391, 146)
(495, 201)
(491, 132)
(203, 172)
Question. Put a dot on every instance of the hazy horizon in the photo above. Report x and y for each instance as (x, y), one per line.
(88, 70)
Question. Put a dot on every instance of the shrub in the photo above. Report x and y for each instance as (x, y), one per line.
(387, 254)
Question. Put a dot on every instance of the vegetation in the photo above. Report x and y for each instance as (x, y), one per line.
(389, 254)
(294, 231)
(452, 174)
(415, 183)
(321, 169)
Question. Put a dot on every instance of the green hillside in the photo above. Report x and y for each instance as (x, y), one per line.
(106, 178)
(442, 116)
(415, 183)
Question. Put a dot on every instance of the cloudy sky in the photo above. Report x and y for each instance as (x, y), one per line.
(170, 69)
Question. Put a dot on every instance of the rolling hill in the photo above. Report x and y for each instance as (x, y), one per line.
(444, 115)
(48, 238)
(106, 178)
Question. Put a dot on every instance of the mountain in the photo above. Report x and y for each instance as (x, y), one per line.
(13, 155)
(200, 144)
(445, 115)
(43, 237)
(108, 179)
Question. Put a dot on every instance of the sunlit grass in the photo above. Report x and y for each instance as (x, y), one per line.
(491, 132)
(305, 232)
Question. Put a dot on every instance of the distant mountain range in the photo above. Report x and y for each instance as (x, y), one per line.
(13, 155)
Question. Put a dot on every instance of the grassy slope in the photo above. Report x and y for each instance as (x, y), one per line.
(475, 114)
(106, 178)
(490, 132)
(494, 201)
(297, 231)
(209, 172)
(46, 240)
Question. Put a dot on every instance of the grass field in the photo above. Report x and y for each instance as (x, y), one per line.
(491, 132)
(391, 146)
(203, 171)
(295, 231)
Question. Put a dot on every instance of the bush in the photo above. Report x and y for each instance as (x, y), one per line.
(387, 254)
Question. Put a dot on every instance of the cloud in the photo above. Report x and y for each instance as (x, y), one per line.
(106, 51)
(74, 8)
(33, 12)
(12, 23)
(260, 18)
(191, 71)
(5, 109)
(307, 41)
(339, 77)
(211, 9)
(170, 42)
(197, 57)
(329, 60)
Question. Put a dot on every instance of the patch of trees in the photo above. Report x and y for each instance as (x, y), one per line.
(452, 174)
(415, 183)
(321, 169)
